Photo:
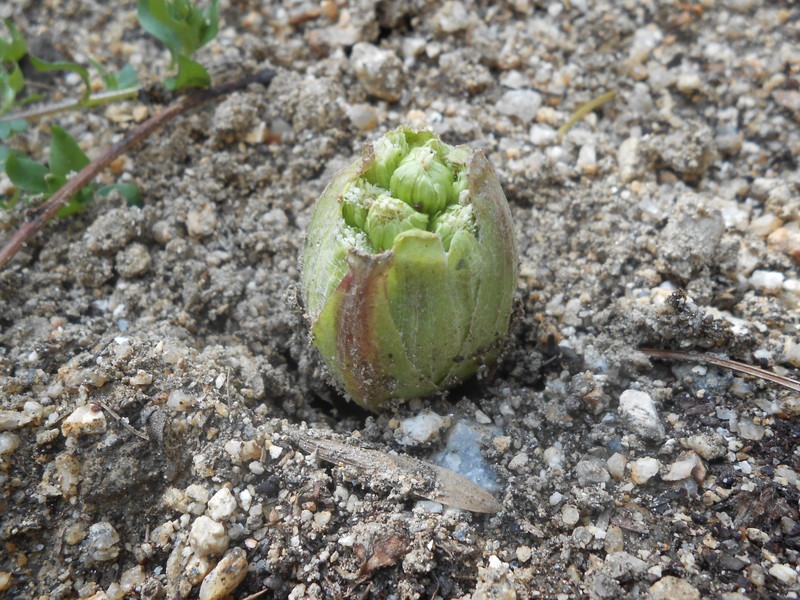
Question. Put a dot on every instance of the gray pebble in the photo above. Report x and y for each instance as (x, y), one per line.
(638, 412)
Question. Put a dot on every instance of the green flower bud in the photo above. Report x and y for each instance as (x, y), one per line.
(389, 216)
(409, 287)
(389, 151)
(453, 219)
(423, 180)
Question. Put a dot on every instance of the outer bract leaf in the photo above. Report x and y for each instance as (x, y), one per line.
(370, 367)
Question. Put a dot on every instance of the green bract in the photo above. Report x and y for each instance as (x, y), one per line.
(410, 268)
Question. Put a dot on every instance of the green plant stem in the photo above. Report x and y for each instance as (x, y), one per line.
(94, 100)
(38, 217)
(583, 111)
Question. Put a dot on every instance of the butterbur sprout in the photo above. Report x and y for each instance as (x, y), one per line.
(410, 267)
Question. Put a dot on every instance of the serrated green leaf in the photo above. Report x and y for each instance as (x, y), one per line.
(16, 48)
(65, 154)
(44, 66)
(190, 74)
(127, 190)
(26, 174)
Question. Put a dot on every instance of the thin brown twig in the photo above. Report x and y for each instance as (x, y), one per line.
(41, 215)
(734, 365)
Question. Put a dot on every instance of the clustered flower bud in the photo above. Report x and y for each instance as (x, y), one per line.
(410, 267)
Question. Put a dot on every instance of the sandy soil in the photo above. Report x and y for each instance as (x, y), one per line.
(155, 364)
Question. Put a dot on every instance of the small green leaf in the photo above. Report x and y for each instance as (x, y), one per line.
(9, 201)
(77, 203)
(155, 19)
(54, 182)
(10, 85)
(16, 48)
(190, 74)
(16, 80)
(9, 128)
(127, 77)
(26, 174)
(127, 190)
(183, 28)
(109, 81)
(29, 99)
(44, 66)
(113, 82)
(65, 154)
(212, 16)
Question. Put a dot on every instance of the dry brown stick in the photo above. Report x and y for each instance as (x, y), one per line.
(734, 365)
(38, 217)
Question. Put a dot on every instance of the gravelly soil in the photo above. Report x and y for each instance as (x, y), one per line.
(155, 361)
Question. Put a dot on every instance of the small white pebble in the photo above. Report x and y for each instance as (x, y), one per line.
(84, 420)
(616, 466)
(222, 505)
(179, 400)
(519, 461)
(8, 442)
(234, 449)
(554, 457)
(142, 378)
(570, 515)
(765, 224)
(783, 573)
(198, 493)
(482, 418)
(208, 537)
(322, 518)
(643, 469)
(523, 553)
(420, 429)
(769, 281)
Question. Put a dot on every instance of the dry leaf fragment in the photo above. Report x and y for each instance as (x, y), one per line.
(416, 477)
(386, 551)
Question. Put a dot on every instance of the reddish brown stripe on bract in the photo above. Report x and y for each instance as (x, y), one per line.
(356, 342)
